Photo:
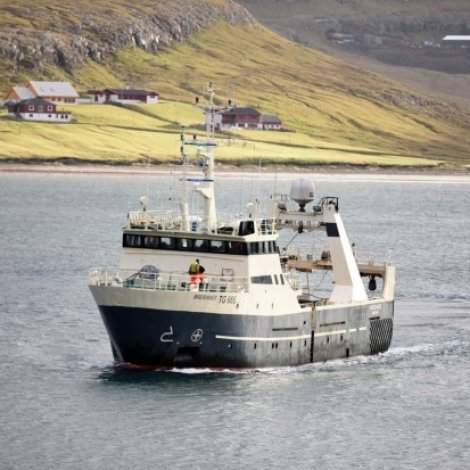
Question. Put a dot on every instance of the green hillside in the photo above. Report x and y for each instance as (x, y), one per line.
(120, 135)
(336, 113)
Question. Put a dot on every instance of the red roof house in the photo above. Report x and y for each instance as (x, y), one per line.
(125, 96)
(37, 109)
(245, 118)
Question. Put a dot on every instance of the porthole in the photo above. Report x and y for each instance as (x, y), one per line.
(305, 342)
(229, 345)
(272, 345)
(254, 347)
(327, 339)
(290, 344)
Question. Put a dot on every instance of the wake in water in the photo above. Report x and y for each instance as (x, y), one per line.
(449, 349)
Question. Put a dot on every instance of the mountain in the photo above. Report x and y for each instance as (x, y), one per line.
(396, 38)
(59, 34)
(176, 47)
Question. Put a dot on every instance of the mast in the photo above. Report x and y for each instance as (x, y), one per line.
(205, 154)
(206, 188)
(184, 197)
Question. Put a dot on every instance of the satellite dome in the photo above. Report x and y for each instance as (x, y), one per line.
(302, 191)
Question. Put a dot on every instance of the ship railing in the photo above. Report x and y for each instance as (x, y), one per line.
(265, 226)
(152, 219)
(168, 281)
(170, 220)
(293, 279)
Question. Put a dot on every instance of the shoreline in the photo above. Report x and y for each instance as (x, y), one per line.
(335, 172)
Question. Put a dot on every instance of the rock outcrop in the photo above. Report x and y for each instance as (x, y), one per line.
(67, 34)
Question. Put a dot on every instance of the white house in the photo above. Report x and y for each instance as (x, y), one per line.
(37, 109)
(56, 92)
(125, 96)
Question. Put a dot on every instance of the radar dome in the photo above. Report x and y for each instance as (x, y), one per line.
(302, 191)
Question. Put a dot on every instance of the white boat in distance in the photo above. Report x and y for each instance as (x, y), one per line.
(253, 305)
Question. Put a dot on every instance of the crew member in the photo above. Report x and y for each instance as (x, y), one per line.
(194, 267)
(200, 278)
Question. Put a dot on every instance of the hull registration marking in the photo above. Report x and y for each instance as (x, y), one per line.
(165, 337)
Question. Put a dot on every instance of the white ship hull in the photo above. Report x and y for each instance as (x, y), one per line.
(162, 336)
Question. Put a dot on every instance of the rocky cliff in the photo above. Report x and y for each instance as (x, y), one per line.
(67, 34)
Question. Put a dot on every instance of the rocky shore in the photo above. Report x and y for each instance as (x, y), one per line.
(333, 172)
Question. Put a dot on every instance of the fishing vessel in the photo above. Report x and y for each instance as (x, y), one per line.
(248, 301)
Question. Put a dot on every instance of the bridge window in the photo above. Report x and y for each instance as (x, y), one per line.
(217, 246)
(201, 245)
(184, 244)
(130, 240)
(257, 248)
(237, 248)
(261, 280)
(133, 241)
(247, 227)
(167, 243)
(151, 242)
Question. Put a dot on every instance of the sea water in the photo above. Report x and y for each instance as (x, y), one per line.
(64, 405)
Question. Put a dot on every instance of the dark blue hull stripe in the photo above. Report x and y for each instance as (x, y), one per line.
(160, 338)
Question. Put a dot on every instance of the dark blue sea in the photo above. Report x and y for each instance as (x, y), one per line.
(64, 405)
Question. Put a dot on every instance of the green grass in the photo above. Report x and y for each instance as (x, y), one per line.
(120, 134)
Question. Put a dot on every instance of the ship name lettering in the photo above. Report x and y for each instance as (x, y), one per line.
(205, 297)
(227, 299)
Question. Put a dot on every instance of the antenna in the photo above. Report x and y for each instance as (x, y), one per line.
(148, 174)
(184, 196)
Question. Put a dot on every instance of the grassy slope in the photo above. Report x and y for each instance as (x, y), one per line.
(287, 17)
(313, 94)
(116, 135)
